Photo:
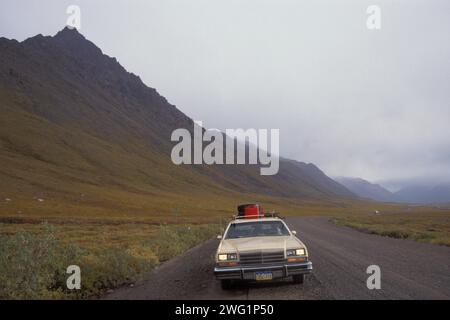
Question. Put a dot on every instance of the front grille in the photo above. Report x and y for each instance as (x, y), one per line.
(261, 257)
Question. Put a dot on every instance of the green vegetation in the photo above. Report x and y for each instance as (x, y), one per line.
(33, 261)
(422, 225)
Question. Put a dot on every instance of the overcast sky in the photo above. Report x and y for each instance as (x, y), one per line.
(357, 102)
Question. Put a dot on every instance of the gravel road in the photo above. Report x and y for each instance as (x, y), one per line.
(340, 256)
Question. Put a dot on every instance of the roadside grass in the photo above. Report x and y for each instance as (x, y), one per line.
(419, 225)
(34, 258)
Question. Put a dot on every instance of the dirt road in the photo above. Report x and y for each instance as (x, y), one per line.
(340, 256)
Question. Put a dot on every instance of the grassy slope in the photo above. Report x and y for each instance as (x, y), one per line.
(80, 176)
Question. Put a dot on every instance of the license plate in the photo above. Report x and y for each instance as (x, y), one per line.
(262, 276)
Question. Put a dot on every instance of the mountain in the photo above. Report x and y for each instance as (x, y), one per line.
(78, 129)
(414, 194)
(366, 189)
(424, 195)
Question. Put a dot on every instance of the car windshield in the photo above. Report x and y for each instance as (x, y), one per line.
(257, 229)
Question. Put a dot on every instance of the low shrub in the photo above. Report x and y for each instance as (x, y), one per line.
(33, 265)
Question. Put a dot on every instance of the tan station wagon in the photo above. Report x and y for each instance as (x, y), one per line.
(260, 249)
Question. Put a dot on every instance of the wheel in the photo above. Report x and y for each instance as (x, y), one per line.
(299, 278)
(226, 284)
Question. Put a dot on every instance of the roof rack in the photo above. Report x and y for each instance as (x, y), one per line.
(257, 216)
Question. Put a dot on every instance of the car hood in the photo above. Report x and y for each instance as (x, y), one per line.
(260, 243)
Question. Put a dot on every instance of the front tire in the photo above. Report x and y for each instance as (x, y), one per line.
(299, 278)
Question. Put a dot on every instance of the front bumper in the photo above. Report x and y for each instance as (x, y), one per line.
(281, 270)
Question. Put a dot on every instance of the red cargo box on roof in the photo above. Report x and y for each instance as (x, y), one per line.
(250, 211)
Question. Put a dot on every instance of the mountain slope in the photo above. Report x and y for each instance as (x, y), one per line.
(366, 189)
(76, 125)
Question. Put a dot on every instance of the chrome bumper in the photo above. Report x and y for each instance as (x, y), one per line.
(278, 271)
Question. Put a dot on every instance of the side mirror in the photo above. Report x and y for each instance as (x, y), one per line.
(294, 232)
(219, 237)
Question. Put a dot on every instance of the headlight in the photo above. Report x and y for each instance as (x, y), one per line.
(232, 256)
(227, 257)
(295, 252)
(222, 257)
